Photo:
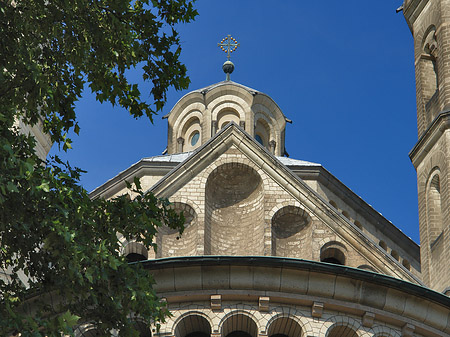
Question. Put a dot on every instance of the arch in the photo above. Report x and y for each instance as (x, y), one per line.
(284, 326)
(86, 330)
(358, 224)
(333, 252)
(263, 130)
(238, 324)
(395, 254)
(227, 115)
(169, 240)
(384, 331)
(287, 225)
(338, 326)
(406, 264)
(341, 330)
(427, 66)
(191, 132)
(228, 105)
(383, 245)
(192, 324)
(345, 213)
(434, 208)
(135, 251)
(234, 211)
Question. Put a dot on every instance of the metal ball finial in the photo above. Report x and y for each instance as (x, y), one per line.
(228, 45)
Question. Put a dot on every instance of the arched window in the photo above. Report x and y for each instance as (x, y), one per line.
(262, 132)
(383, 245)
(193, 326)
(191, 135)
(434, 210)
(239, 325)
(259, 139)
(429, 73)
(284, 327)
(342, 331)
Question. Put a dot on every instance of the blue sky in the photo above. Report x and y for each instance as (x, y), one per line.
(343, 71)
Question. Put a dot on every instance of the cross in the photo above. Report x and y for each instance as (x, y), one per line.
(228, 45)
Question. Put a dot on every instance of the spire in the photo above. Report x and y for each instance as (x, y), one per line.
(228, 45)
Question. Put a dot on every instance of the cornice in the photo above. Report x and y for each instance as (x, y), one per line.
(429, 138)
(412, 10)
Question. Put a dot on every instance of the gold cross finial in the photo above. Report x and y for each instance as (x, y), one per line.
(228, 45)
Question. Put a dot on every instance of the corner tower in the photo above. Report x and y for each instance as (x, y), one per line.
(429, 21)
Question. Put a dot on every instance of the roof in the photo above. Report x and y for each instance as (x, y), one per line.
(180, 157)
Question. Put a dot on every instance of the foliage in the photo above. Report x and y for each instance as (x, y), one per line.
(63, 244)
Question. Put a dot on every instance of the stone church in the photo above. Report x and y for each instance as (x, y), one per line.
(279, 247)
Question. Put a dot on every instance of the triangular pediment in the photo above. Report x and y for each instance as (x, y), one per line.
(233, 173)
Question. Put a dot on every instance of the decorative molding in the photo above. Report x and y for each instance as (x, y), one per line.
(264, 303)
(216, 302)
(317, 309)
(367, 319)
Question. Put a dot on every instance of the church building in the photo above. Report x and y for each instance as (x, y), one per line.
(280, 247)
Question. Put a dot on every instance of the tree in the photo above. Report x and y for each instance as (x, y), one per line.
(64, 245)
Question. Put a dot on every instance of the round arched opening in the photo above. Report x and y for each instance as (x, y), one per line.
(383, 245)
(234, 219)
(284, 327)
(135, 251)
(358, 224)
(191, 133)
(226, 116)
(239, 325)
(341, 331)
(333, 252)
(345, 213)
(193, 326)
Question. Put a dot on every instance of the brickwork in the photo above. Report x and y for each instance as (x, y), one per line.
(192, 317)
(241, 210)
(431, 31)
(433, 189)
(210, 109)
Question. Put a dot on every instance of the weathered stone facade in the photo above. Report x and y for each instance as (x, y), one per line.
(430, 24)
(279, 247)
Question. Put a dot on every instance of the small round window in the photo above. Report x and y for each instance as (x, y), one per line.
(194, 138)
(259, 139)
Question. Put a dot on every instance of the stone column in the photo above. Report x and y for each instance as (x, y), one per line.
(272, 146)
(180, 143)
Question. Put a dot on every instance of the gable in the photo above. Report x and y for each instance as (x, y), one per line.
(248, 203)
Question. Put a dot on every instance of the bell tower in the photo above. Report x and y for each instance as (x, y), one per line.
(429, 21)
